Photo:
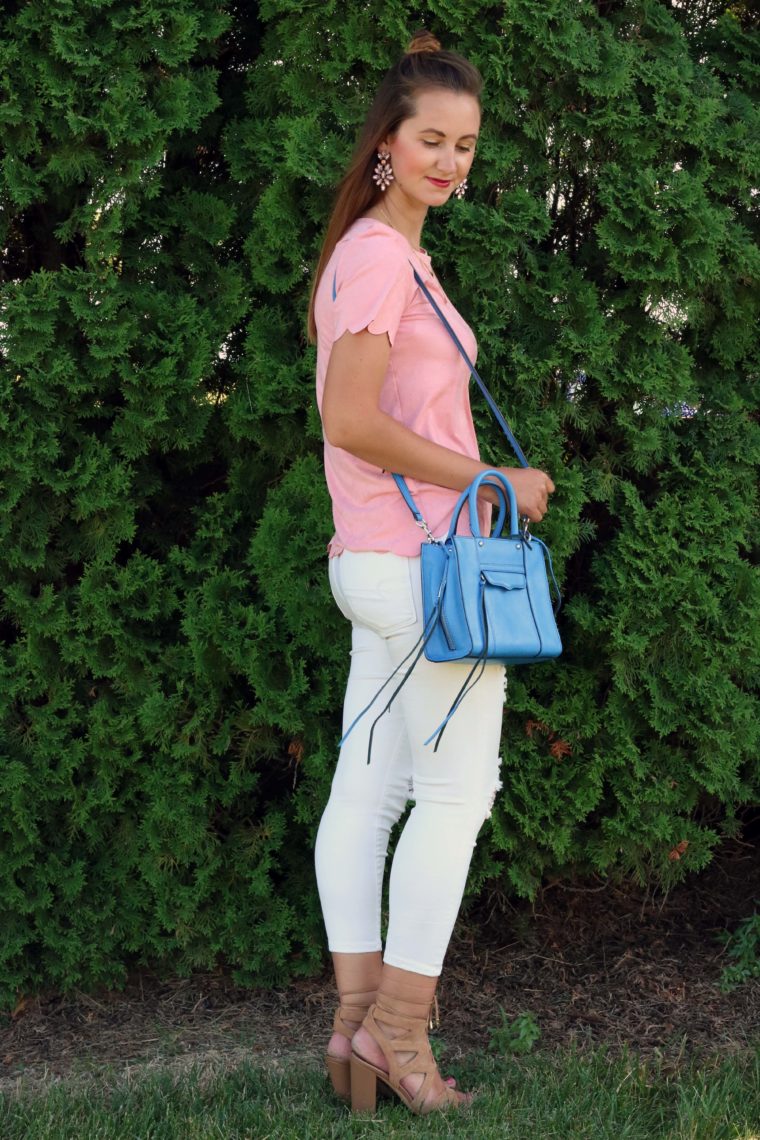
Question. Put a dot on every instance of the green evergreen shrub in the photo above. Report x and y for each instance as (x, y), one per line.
(172, 663)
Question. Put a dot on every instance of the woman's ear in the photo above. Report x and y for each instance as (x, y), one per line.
(386, 143)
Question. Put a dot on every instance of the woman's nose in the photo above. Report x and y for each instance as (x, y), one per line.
(447, 162)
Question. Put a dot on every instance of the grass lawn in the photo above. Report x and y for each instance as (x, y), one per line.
(547, 1094)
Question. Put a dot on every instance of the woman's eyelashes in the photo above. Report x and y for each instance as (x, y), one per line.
(463, 149)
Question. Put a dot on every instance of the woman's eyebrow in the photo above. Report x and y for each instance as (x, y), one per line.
(435, 131)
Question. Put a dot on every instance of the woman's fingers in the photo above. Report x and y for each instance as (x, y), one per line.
(532, 488)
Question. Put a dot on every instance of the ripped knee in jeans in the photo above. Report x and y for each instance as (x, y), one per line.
(492, 798)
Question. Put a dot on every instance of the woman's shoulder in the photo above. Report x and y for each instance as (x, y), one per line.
(369, 280)
(373, 257)
(369, 235)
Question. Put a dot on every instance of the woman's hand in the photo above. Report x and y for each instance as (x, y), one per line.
(532, 489)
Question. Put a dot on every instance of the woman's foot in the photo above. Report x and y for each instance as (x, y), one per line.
(340, 1048)
(440, 1091)
(340, 1045)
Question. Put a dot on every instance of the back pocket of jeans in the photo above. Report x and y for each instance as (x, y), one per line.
(375, 590)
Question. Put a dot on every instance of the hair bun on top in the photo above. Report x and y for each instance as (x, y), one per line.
(423, 41)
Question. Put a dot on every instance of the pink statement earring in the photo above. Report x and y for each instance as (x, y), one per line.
(461, 189)
(383, 174)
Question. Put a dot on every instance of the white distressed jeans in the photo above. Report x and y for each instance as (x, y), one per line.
(452, 789)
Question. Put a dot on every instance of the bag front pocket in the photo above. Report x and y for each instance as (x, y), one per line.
(509, 627)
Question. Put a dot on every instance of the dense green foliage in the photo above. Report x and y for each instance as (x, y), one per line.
(171, 661)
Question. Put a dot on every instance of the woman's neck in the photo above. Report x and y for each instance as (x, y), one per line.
(386, 210)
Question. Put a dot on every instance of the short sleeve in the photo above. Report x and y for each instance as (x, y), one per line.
(372, 284)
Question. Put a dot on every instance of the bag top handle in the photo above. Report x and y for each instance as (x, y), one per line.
(505, 494)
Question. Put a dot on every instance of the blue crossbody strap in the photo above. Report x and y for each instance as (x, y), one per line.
(401, 484)
(400, 481)
(489, 398)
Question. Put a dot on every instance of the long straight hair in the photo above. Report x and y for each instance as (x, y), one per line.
(424, 66)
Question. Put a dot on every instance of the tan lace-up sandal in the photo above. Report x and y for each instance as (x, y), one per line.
(413, 1039)
(339, 1068)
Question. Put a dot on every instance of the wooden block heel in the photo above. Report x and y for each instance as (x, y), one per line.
(339, 1072)
(339, 1068)
(363, 1085)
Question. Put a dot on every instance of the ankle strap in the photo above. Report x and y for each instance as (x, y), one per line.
(346, 1013)
(398, 1008)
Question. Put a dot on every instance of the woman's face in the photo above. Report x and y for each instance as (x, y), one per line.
(432, 152)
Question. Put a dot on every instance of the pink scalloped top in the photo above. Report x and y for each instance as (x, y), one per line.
(368, 283)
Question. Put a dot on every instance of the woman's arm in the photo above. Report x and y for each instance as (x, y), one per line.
(353, 421)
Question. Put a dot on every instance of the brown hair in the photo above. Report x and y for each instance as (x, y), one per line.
(424, 65)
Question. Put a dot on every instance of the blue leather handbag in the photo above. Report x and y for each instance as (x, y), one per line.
(485, 597)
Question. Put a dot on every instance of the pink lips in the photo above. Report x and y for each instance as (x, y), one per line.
(438, 182)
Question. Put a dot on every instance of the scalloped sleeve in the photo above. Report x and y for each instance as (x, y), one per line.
(372, 285)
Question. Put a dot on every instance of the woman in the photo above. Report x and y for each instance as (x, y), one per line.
(392, 391)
